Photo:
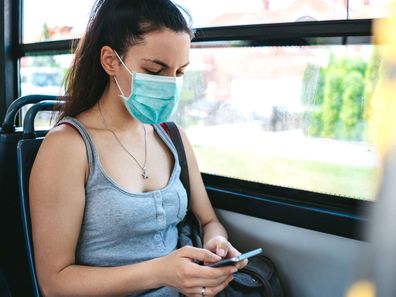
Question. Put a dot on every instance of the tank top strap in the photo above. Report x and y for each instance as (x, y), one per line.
(91, 152)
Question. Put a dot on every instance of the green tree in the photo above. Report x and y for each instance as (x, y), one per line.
(315, 125)
(356, 64)
(332, 99)
(352, 105)
(371, 79)
(343, 98)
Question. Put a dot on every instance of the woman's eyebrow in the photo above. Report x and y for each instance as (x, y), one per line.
(185, 65)
(161, 63)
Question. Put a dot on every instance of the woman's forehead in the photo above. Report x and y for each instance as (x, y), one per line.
(166, 45)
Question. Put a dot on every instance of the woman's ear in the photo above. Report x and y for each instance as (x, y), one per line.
(109, 60)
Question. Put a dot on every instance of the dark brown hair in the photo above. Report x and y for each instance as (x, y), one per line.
(118, 24)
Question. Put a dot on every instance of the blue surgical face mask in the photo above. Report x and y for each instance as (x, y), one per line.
(153, 98)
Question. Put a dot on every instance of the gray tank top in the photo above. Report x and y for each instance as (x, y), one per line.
(120, 227)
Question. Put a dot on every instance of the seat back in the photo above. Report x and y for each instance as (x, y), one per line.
(27, 149)
(26, 153)
(4, 290)
(13, 258)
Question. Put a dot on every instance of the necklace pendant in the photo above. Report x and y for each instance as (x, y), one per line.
(145, 173)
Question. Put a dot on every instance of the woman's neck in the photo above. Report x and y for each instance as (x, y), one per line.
(113, 113)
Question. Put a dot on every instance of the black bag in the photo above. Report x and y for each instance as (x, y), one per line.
(190, 232)
(257, 279)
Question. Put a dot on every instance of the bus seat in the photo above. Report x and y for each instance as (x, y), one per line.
(13, 257)
(4, 290)
(26, 153)
(27, 149)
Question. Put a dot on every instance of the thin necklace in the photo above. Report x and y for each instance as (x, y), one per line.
(144, 168)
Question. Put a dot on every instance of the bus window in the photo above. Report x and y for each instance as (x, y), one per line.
(288, 116)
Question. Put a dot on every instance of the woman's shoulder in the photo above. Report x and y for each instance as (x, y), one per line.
(63, 132)
(62, 153)
(64, 139)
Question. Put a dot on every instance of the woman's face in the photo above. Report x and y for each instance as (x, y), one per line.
(162, 52)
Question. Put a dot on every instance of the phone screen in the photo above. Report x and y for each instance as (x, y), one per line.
(236, 259)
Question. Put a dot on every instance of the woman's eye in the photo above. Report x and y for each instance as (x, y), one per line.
(180, 73)
(153, 72)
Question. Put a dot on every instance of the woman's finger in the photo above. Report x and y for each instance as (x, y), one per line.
(234, 252)
(202, 255)
(210, 291)
(222, 247)
(204, 282)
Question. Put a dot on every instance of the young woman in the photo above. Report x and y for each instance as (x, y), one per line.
(105, 192)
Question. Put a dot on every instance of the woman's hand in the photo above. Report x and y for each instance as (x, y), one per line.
(223, 248)
(180, 270)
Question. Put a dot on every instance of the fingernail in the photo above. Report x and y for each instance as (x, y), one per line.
(233, 270)
(221, 252)
(211, 255)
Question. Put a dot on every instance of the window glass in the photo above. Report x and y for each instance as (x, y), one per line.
(289, 116)
(207, 13)
(45, 20)
(364, 9)
(237, 12)
(43, 75)
(55, 20)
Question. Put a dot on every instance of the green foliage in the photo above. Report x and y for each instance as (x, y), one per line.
(332, 100)
(371, 79)
(356, 64)
(315, 123)
(352, 105)
(338, 107)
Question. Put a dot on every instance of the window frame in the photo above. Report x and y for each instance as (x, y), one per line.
(325, 213)
(10, 40)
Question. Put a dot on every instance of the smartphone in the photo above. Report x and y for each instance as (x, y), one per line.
(233, 260)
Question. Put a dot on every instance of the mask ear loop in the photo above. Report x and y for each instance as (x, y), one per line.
(119, 88)
(122, 62)
(115, 79)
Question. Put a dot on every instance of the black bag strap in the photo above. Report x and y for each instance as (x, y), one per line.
(174, 134)
(190, 231)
